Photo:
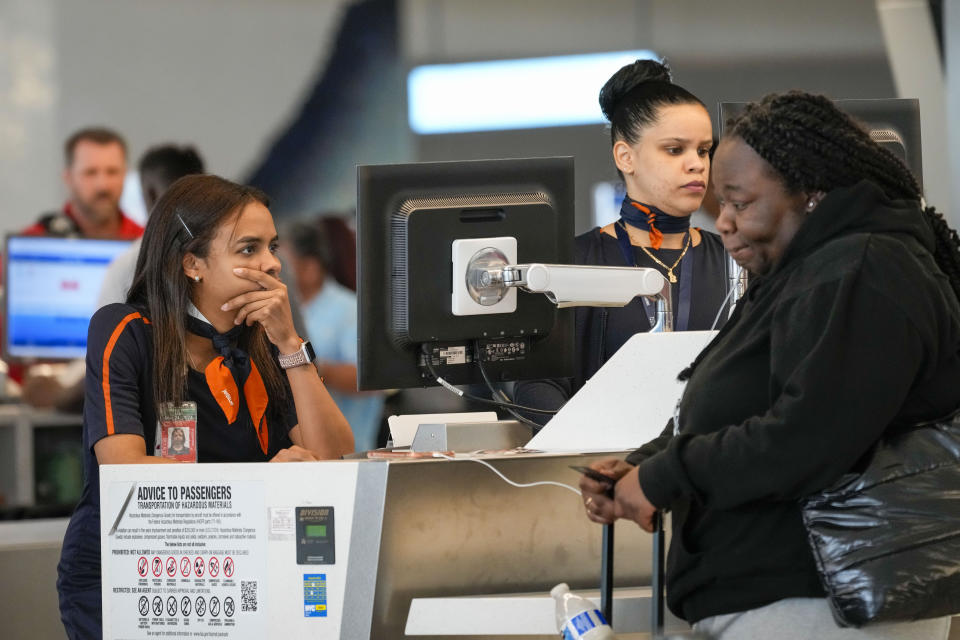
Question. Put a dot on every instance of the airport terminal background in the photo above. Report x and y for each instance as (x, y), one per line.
(291, 95)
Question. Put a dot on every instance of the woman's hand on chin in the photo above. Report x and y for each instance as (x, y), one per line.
(270, 307)
(294, 454)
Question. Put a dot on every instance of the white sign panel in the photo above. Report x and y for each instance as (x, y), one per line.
(629, 400)
(236, 551)
(184, 560)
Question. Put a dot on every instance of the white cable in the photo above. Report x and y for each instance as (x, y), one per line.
(725, 300)
(449, 386)
(676, 409)
(508, 480)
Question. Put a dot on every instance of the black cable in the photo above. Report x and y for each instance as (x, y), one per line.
(463, 394)
(493, 391)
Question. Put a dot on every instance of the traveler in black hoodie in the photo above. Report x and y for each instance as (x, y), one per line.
(851, 325)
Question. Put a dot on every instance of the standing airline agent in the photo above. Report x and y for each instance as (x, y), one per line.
(661, 136)
(206, 321)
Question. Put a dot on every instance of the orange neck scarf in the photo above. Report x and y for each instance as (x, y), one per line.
(223, 386)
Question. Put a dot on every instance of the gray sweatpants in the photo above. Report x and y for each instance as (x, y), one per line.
(809, 618)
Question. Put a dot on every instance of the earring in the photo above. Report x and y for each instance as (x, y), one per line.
(196, 278)
(811, 204)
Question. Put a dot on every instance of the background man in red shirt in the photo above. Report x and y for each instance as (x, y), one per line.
(96, 165)
(94, 172)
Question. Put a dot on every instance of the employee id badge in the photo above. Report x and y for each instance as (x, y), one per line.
(178, 431)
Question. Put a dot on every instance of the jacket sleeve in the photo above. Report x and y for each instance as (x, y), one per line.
(844, 356)
(653, 447)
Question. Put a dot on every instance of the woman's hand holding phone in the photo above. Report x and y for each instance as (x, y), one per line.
(597, 497)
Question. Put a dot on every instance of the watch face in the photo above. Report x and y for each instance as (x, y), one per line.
(308, 349)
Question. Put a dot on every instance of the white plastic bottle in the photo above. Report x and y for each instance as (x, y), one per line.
(578, 618)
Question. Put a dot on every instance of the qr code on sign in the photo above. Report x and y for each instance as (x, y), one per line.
(248, 595)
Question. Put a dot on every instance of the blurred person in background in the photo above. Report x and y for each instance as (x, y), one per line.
(159, 168)
(96, 165)
(342, 240)
(329, 311)
(95, 168)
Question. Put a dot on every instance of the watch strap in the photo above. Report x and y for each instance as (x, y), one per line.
(304, 355)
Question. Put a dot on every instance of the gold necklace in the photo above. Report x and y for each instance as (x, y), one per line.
(193, 363)
(672, 278)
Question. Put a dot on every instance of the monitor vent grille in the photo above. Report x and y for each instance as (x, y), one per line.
(471, 201)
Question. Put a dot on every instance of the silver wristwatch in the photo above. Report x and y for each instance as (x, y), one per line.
(298, 358)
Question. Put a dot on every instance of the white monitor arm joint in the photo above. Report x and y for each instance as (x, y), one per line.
(582, 285)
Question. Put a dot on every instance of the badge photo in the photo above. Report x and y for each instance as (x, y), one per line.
(178, 431)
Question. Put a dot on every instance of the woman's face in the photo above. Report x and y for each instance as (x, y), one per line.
(758, 216)
(669, 165)
(178, 438)
(248, 240)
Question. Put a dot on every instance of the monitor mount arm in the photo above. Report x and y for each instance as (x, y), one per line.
(572, 285)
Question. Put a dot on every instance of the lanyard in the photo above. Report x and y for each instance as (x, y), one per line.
(682, 318)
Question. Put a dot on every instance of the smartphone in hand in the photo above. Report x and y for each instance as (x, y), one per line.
(593, 474)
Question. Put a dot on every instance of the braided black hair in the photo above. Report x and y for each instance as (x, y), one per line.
(814, 146)
(632, 96)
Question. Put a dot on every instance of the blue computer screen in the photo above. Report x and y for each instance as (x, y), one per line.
(51, 289)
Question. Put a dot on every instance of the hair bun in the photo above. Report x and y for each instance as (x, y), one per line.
(628, 78)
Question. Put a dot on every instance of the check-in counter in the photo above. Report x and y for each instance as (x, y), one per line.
(342, 549)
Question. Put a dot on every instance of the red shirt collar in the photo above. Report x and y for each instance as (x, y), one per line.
(129, 230)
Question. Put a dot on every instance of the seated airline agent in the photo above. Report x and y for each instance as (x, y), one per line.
(207, 323)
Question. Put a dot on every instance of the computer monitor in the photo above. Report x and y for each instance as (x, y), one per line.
(894, 123)
(408, 219)
(51, 287)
